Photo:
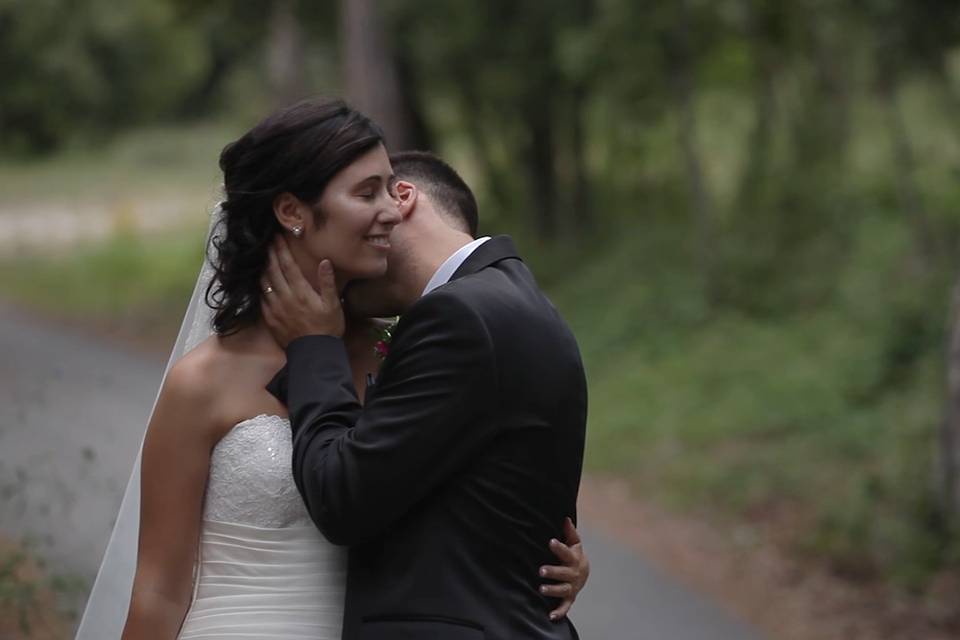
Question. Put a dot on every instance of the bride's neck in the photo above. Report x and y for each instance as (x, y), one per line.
(256, 337)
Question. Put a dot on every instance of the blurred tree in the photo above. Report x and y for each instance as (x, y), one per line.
(949, 442)
(232, 32)
(518, 79)
(654, 61)
(768, 28)
(790, 209)
(577, 61)
(910, 38)
(74, 68)
(893, 24)
(103, 67)
(688, 29)
(373, 79)
(286, 70)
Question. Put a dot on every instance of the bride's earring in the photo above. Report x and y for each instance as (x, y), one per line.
(297, 231)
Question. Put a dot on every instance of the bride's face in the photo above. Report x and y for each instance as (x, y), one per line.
(357, 213)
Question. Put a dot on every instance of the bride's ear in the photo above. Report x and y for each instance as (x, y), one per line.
(405, 193)
(290, 211)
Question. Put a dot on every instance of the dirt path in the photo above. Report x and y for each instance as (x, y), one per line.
(72, 413)
(756, 581)
(51, 226)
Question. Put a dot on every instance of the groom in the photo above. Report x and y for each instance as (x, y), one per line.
(466, 456)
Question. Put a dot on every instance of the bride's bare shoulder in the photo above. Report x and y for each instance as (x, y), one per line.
(199, 366)
(195, 380)
(223, 379)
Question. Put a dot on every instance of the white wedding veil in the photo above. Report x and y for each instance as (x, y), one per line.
(106, 610)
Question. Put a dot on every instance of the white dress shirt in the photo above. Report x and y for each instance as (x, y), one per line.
(451, 264)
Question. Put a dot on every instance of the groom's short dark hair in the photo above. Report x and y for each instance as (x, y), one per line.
(442, 183)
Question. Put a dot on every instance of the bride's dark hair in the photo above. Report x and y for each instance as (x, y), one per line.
(298, 150)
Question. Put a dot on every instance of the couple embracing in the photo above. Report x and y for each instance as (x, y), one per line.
(312, 472)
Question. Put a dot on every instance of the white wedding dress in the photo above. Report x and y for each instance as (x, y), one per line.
(263, 569)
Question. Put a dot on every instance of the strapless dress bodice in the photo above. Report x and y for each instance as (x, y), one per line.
(263, 569)
(251, 481)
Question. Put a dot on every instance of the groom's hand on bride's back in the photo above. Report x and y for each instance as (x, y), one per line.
(291, 307)
(568, 579)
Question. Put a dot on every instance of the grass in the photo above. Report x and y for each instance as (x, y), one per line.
(126, 272)
(136, 285)
(29, 607)
(161, 161)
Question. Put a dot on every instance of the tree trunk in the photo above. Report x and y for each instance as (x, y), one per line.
(585, 11)
(831, 53)
(949, 481)
(285, 69)
(582, 205)
(908, 193)
(680, 62)
(200, 100)
(538, 118)
(497, 181)
(760, 143)
(420, 136)
(370, 74)
(702, 202)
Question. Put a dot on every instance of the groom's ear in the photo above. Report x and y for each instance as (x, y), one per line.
(406, 194)
(289, 210)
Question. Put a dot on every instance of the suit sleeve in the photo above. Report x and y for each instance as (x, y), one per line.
(361, 470)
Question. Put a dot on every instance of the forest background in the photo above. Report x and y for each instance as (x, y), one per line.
(748, 210)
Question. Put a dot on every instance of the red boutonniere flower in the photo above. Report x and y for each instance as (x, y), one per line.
(385, 336)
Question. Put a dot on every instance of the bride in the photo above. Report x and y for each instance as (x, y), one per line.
(225, 547)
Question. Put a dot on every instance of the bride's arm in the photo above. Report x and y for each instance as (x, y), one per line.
(175, 464)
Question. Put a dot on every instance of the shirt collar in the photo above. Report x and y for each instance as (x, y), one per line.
(451, 264)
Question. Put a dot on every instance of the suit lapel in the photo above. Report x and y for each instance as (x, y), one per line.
(490, 252)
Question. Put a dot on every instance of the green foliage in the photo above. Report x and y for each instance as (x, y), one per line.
(73, 67)
(830, 412)
(142, 278)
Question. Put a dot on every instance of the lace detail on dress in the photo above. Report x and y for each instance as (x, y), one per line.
(251, 479)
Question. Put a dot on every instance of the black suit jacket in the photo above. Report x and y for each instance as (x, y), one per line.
(461, 466)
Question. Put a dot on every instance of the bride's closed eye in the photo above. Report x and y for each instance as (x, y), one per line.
(370, 191)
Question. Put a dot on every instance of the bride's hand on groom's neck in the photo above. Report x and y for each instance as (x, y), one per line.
(291, 307)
